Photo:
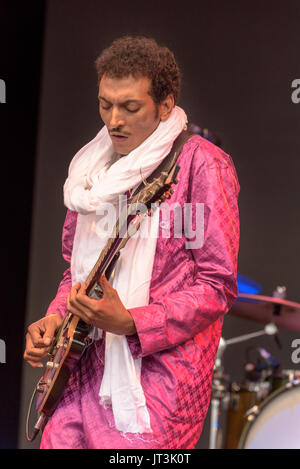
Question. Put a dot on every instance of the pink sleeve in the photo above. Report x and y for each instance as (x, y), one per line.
(58, 305)
(174, 318)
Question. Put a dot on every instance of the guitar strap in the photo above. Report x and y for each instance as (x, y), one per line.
(170, 160)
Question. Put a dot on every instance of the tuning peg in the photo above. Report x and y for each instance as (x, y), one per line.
(175, 180)
(149, 212)
(167, 194)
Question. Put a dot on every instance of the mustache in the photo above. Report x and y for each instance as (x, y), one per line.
(118, 130)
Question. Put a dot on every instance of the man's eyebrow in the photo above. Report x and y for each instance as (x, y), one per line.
(128, 101)
(102, 97)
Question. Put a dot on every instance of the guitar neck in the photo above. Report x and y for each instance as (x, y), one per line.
(114, 244)
(104, 260)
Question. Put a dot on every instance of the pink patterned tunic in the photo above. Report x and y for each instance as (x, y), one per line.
(177, 333)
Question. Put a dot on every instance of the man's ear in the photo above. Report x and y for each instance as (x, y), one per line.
(166, 107)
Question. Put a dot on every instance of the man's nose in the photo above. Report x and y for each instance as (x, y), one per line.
(116, 119)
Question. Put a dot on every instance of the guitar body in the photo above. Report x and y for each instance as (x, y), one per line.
(67, 349)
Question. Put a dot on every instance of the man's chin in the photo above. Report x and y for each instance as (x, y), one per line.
(125, 147)
(122, 150)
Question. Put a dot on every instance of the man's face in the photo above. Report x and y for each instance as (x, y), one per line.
(128, 111)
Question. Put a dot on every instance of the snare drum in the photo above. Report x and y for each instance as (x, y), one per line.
(275, 423)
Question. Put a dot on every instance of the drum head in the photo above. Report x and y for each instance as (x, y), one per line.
(277, 424)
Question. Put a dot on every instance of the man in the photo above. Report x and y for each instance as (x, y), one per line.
(145, 381)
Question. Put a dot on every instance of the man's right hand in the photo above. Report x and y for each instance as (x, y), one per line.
(39, 338)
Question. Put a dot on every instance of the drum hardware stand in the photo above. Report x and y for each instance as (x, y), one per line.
(219, 395)
(269, 329)
(219, 388)
(279, 292)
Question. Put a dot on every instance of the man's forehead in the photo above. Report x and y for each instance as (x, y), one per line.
(125, 88)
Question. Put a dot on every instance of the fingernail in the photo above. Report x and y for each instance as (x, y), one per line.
(47, 341)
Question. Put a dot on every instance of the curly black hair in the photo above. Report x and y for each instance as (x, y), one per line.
(141, 56)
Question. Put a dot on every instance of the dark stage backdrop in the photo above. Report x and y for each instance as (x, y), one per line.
(239, 60)
(21, 35)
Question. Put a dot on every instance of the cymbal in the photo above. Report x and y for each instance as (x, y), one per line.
(264, 309)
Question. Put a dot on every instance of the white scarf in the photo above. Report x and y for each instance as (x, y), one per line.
(93, 181)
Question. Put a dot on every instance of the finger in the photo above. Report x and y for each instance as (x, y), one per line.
(73, 294)
(74, 290)
(80, 313)
(35, 364)
(68, 302)
(35, 354)
(82, 298)
(71, 298)
(51, 328)
(32, 350)
(34, 357)
(76, 286)
(80, 304)
(36, 332)
(83, 302)
(106, 286)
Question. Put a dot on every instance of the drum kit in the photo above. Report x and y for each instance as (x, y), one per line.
(263, 411)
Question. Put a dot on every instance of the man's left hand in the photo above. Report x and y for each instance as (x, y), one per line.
(108, 313)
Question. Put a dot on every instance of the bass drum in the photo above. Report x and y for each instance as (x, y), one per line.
(275, 423)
